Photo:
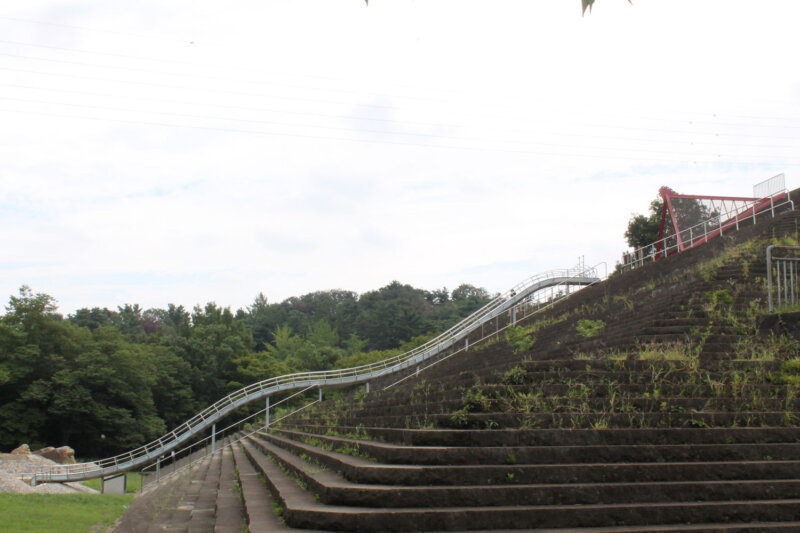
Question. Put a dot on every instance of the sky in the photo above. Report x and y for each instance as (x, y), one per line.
(192, 151)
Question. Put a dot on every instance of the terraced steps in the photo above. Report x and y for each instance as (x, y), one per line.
(667, 418)
(179, 503)
(551, 437)
(260, 508)
(229, 509)
(446, 488)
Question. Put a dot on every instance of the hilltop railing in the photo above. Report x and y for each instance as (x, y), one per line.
(700, 233)
(523, 295)
(783, 277)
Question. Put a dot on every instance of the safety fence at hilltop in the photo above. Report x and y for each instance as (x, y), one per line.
(690, 220)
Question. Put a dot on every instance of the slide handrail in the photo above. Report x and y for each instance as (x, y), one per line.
(150, 452)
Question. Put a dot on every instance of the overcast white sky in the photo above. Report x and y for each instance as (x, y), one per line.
(190, 151)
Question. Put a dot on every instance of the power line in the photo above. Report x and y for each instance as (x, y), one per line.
(339, 128)
(190, 63)
(208, 77)
(99, 30)
(183, 88)
(261, 71)
(414, 123)
(391, 142)
(311, 100)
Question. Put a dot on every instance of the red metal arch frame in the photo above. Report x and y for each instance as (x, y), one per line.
(667, 210)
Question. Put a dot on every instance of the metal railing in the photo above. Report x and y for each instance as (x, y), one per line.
(526, 294)
(542, 300)
(179, 461)
(708, 229)
(783, 277)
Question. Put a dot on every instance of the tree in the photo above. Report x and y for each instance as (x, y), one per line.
(391, 315)
(64, 384)
(106, 390)
(215, 340)
(438, 296)
(256, 366)
(643, 229)
(93, 318)
(587, 4)
(129, 321)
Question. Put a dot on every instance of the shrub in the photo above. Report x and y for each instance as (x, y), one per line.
(474, 400)
(515, 376)
(518, 339)
(589, 328)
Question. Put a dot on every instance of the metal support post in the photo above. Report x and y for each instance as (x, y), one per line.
(769, 277)
(320, 394)
(266, 419)
(158, 469)
(366, 387)
(213, 437)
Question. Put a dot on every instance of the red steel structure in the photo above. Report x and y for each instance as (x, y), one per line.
(728, 212)
(688, 220)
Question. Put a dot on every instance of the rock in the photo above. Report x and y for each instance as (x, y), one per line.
(63, 455)
(22, 450)
(781, 324)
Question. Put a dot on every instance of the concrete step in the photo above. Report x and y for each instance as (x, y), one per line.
(363, 471)
(333, 489)
(499, 455)
(176, 510)
(262, 511)
(203, 513)
(163, 498)
(558, 437)
(303, 509)
(574, 420)
(229, 510)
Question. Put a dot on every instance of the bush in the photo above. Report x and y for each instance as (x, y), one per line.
(515, 376)
(589, 328)
(518, 339)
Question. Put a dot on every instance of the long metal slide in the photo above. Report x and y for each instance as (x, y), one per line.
(532, 293)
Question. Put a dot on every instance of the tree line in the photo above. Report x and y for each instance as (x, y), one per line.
(105, 381)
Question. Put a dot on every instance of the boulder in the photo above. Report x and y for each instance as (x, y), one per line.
(781, 324)
(63, 455)
(22, 450)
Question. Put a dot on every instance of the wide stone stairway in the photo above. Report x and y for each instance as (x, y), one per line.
(653, 401)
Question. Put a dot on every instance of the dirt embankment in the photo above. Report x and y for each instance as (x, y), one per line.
(14, 466)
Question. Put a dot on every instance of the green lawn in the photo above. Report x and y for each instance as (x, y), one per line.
(133, 485)
(60, 513)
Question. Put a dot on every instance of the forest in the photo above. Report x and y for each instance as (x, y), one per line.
(105, 381)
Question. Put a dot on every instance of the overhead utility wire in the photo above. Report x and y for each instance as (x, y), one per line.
(250, 69)
(99, 30)
(143, 58)
(348, 129)
(312, 100)
(207, 77)
(398, 122)
(183, 88)
(202, 65)
(386, 142)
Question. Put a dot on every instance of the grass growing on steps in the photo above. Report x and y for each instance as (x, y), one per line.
(60, 513)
